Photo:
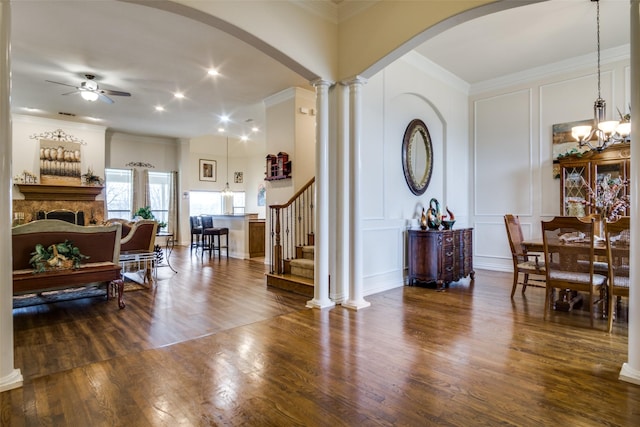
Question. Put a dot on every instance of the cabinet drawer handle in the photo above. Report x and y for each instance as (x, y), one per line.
(448, 254)
(449, 268)
(449, 239)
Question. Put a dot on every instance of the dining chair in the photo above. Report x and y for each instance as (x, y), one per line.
(525, 263)
(618, 241)
(569, 261)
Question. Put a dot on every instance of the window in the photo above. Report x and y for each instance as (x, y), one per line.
(210, 202)
(159, 193)
(119, 193)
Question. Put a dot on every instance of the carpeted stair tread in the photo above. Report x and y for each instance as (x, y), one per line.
(302, 267)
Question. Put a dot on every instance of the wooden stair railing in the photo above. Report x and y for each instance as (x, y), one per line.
(291, 226)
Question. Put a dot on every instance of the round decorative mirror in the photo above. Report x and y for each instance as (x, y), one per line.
(417, 156)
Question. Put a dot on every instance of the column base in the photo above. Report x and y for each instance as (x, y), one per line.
(314, 303)
(356, 305)
(11, 381)
(629, 374)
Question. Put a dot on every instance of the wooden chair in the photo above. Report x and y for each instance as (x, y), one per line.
(523, 262)
(569, 261)
(618, 241)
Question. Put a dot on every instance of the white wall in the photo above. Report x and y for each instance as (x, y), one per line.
(408, 89)
(161, 152)
(511, 137)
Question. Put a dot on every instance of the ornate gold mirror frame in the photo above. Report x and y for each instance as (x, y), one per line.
(417, 156)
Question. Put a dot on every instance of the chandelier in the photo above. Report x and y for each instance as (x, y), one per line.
(606, 132)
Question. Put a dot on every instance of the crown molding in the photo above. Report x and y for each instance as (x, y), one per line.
(436, 71)
(620, 53)
(335, 11)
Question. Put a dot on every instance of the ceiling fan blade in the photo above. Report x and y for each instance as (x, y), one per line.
(72, 92)
(114, 92)
(104, 98)
(63, 84)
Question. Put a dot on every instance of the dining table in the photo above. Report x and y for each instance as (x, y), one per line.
(567, 299)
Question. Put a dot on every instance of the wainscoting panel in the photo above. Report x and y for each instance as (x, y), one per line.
(383, 257)
(502, 127)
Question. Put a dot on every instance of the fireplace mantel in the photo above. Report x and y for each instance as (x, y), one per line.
(60, 192)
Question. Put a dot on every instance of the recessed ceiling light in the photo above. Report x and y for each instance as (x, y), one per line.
(179, 95)
(244, 138)
(159, 108)
(213, 72)
(224, 118)
(254, 129)
(31, 109)
(221, 129)
(94, 119)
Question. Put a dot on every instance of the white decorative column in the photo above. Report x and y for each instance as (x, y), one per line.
(355, 300)
(321, 250)
(631, 370)
(340, 283)
(9, 376)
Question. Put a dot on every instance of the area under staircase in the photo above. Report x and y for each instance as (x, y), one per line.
(291, 239)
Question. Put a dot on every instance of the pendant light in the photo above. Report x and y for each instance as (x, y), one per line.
(607, 131)
(227, 190)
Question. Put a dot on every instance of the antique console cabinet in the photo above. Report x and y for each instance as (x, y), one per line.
(440, 256)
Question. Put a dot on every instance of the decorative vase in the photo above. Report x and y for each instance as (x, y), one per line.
(434, 216)
(423, 220)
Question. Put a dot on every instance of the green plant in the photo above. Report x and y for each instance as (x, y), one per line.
(57, 256)
(145, 213)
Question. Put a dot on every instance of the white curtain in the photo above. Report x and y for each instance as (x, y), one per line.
(136, 191)
(145, 188)
(174, 216)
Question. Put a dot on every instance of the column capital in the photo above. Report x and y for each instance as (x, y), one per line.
(356, 80)
(322, 82)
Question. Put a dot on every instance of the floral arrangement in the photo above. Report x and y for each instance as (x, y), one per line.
(608, 198)
(92, 179)
(59, 256)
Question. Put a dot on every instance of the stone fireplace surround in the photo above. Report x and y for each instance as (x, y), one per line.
(49, 198)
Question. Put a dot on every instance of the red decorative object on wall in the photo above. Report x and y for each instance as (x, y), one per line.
(278, 167)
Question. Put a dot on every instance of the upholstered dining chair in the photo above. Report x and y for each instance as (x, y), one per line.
(569, 260)
(527, 264)
(618, 239)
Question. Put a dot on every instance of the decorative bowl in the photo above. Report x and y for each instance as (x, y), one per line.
(447, 224)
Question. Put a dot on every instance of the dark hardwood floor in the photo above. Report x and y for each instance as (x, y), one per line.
(212, 345)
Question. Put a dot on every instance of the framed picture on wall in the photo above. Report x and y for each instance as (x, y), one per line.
(208, 170)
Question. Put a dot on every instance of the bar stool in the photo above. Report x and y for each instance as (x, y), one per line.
(211, 234)
(196, 230)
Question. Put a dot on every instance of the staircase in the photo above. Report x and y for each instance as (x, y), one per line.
(291, 241)
(297, 276)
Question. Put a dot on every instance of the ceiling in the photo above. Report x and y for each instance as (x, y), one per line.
(151, 54)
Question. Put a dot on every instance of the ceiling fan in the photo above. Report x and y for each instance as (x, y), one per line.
(90, 90)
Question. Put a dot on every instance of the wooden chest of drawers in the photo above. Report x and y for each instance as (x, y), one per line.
(440, 256)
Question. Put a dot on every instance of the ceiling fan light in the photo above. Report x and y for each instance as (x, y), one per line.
(89, 96)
